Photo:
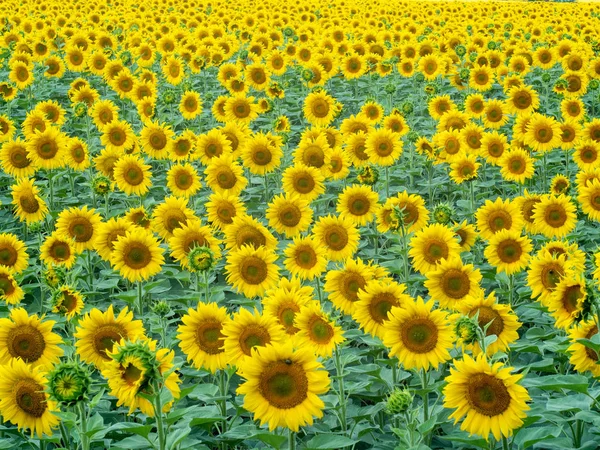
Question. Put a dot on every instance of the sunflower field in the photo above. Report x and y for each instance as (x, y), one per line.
(299, 225)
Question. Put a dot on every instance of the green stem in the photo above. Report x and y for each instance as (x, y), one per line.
(292, 440)
(511, 288)
(51, 186)
(266, 189)
(472, 192)
(425, 395)
(404, 251)
(206, 294)
(140, 297)
(90, 270)
(318, 280)
(66, 440)
(85, 443)
(505, 443)
(159, 419)
(387, 182)
(339, 368)
(223, 400)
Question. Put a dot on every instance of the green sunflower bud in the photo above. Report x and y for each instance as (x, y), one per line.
(443, 213)
(69, 383)
(466, 329)
(101, 185)
(201, 259)
(399, 401)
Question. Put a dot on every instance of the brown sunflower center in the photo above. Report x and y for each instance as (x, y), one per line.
(588, 154)
(18, 157)
(60, 251)
(262, 156)
(241, 110)
(550, 275)
(313, 156)
(487, 395)
(517, 165)
(499, 220)
(283, 384)
(359, 205)
(133, 175)
(30, 397)
(591, 353)
(26, 342)
(543, 134)
(137, 256)
(336, 237)
(290, 215)
(105, 337)
(455, 283)
(304, 183)
(527, 209)
(319, 330)
(226, 212)
(419, 335)
(8, 255)
(384, 148)
(158, 140)
(555, 216)
(7, 286)
(320, 108)
(250, 235)
(47, 149)
(380, 305)
(117, 137)
(81, 229)
(253, 270)
(509, 251)
(69, 301)
(209, 337)
(523, 100)
(174, 219)
(253, 336)
(490, 316)
(286, 315)
(305, 257)
(183, 180)
(434, 250)
(570, 298)
(351, 283)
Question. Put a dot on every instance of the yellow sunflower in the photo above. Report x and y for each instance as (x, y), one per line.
(137, 255)
(10, 291)
(261, 154)
(566, 302)
(246, 230)
(58, 249)
(543, 133)
(432, 244)
(499, 319)
(282, 386)
(452, 282)
(508, 251)
(97, 333)
(211, 145)
(383, 147)
(284, 302)
(555, 216)
(132, 175)
(107, 235)
(13, 253)
(183, 180)
(544, 273)
(419, 336)
(247, 330)
(201, 336)
(289, 214)
(192, 234)
(190, 105)
(414, 213)
(488, 395)
(304, 258)
(252, 271)
(67, 301)
(357, 203)
(516, 165)
(14, 159)
(338, 236)
(29, 338)
(157, 139)
(589, 199)
(23, 400)
(498, 215)
(584, 358)
(316, 331)
(225, 176)
(241, 109)
(80, 225)
(319, 108)
(303, 181)
(47, 149)
(343, 285)
(117, 135)
(171, 214)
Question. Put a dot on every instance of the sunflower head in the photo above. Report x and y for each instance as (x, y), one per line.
(398, 401)
(201, 259)
(69, 383)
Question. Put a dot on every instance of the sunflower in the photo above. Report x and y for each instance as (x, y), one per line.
(582, 357)
(132, 175)
(357, 203)
(312, 151)
(543, 133)
(241, 109)
(261, 154)
(284, 302)
(289, 214)
(192, 234)
(23, 400)
(566, 302)
(157, 139)
(522, 100)
(98, 331)
(464, 168)
(21, 74)
(13, 253)
(572, 108)
(28, 338)
(419, 336)
(555, 216)
(493, 147)
(80, 225)
(304, 258)
(77, 155)
(246, 230)
(221, 209)
(171, 214)
(383, 147)
(344, 285)
(183, 180)
(508, 251)
(282, 386)
(516, 165)
(319, 108)
(138, 217)
(247, 330)
(466, 235)
(432, 244)
(589, 199)
(190, 105)
(29, 207)
(488, 395)
(355, 147)
(587, 155)
(414, 213)
(211, 145)
(67, 301)
(58, 249)
(116, 134)
(498, 215)
(453, 282)
(303, 181)
(336, 165)
(574, 256)
(545, 272)
(137, 255)
(494, 114)
(10, 291)
(474, 105)
(201, 336)
(252, 271)
(46, 149)
(225, 175)
(337, 236)
(316, 330)
(375, 301)
(14, 159)
(481, 78)
(449, 144)
(440, 105)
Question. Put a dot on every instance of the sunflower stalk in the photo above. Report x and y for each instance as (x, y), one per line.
(85, 440)
(140, 297)
(505, 445)
(158, 413)
(339, 368)
(223, 401)
(291, 440)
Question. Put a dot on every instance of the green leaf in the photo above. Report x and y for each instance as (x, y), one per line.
(273, 440)
(131, 428)
(577, 383)
(131, 442)
(333, 441)
(176, 436)
(578, 402)
(528, 437)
